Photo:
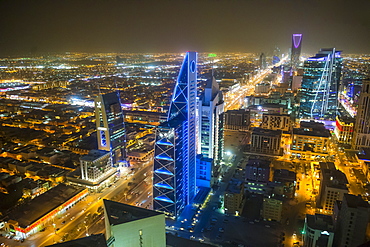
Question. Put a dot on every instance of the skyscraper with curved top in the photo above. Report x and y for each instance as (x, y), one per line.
(110, 126)
(296, 49)
(175, 148)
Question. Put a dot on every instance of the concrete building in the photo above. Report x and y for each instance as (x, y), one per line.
(237, 119)
(344, 127)
(258, 170)
(351, 219)
(272, 208)
(276, 122)
(129, 226)
(361, 137)
(95, 165)
(333, 187)
(318, 231)
(233, 197)
(30, 218)
(310, 141)
(266, 141)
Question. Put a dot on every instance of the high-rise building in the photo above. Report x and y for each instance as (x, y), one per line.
(296, 50)
(351, 216)
(361, 137)
(110, 126)
(211, 122)
(333, 187)
(318, 230)
(174, 178)
(263, 64)
(320, 83)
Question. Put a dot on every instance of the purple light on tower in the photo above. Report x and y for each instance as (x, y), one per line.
(297, 40)
(296, 50)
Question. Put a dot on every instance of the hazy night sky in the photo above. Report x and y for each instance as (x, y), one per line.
(178, 26)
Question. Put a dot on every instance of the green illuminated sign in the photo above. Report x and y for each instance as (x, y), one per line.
(212, 55)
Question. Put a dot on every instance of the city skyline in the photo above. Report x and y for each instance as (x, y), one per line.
(162, 26)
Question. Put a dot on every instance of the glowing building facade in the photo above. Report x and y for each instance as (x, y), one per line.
(211, 122)
(296, 50)
(320, 83)
(361, 137)
(110, 126)
(174, 178)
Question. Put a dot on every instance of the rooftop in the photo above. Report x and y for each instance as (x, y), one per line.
(355, 201)
(320, 222)
(93, 240)
(266, 132)
(30, 212)
(120, 213)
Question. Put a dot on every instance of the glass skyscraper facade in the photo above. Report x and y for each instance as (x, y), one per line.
(175, 148)
(211, 122)
(110, 126)
(320, 84)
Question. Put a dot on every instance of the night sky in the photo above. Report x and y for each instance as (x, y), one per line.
(177, 26)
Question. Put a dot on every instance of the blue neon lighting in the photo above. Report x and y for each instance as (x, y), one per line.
(164, 199)
(163, 142)
(163, 157)
(163, 185)
(163, 171)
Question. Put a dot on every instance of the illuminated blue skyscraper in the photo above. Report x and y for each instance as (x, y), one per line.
(110, 126)
(320, 83)
(175, 148)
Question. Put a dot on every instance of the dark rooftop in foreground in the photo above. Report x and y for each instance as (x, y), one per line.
(173, 241)
(28, 213)
(320, 222)
(97, 240)
(119, 213)
(356, 201)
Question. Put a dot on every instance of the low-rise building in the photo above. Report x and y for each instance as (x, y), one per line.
(30, 218)
(258, 170)
(266, 141)
(344, 127)
(272, 207)
(310, 141)
(276, 121)
(233, 197)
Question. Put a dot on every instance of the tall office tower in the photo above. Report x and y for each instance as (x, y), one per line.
(361, 137)
(263, 64)
(351, 218)
(320, 83)
(110, 126)
(174, 151)
(296, 50)
(211, 122)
